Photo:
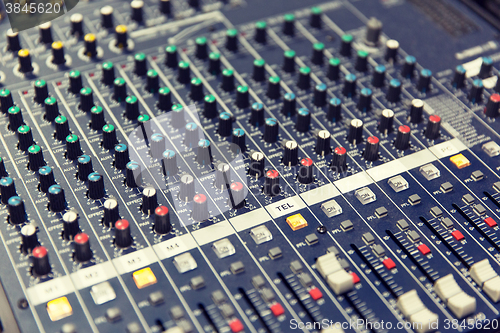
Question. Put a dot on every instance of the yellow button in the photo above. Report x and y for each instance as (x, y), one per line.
(296, 222)
(57, 45)
(460, 161)
(59, 308)
(23, 53)
(144, 277)
(89, 37)
(121, 29)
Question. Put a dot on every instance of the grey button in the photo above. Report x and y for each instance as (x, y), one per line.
(346, 225)
(334, 250)
(344, 263)
(477, 175)
(468, 199)
(156, 298)
(197, 282)
(436, 211)
(134, 327)
(68, 328)
(311, 239)
(226, 310)
(414, 199)
(379, 250)
(381, 212)
(479, 209)
(365, 195)
(185, 326)
(258, 281)
(447, 222)
(176, 312)
(414, 236)
(331, 208)
(430, 172)
(446, 187)
(296, 266)
(237, 267)
(218, 297)
(368, 238)
(403, 225)
(305, 279)
(113, 314)
(275, 253)
(496, 186)
(267, 295)
(102, 293)
(398, 183)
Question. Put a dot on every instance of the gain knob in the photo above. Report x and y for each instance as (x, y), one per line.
(491, 109)
(162, 220)
(257, 114)
(403, 138)
(16, 209)
(119, 89)
(204, 155)
(386, 121)
(70, 225)
(96, 118)
(200, 208)
(111, 213)
(291, 153)
(289, 61)
(303, 121)
(257, 163)
(46, 178)
(123, 237)
(169, 163)
(24, 59)
(339, 160)
(355, 132)
(41, 265)
(131, 108)
(305, 174)
(57, 200)
(304, 81)
(323, 146)
(29, 239)
(121, 36)
(95, 186)
(149, 200)
(272, 183)
(227, 80)
(7, 189)
(225, 124)
(186, 192)
(371, 149)
(86, 99)
(46, 33)
(83, 252)
(76, 24)
(271, 130)
(222, 176)
(121, 156)
(433, 127)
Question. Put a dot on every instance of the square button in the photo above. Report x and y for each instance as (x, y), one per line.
(296, 222)
(381, 212)
(457, 235)
(59, 308)
(403, 225)
(261, 234)
(144, 277)
(176, 312)
(468, 199)
(197, 282)
(311, 239)
(346, 225)
(479, 209)
(219, 297)
(414, 236)
(227, 310)
(185, 262)
(331, 208)
(368, 238)
(275, 253)
(156, 298)
(296, 267)
(237, 267)
(379, 250)
(460, 161)
(134, 327)
(389, 264)
(424, 249)
(315, 293)
(113, 314)
(305, 279)
(333, 249)
(447, 223)
(477, 175)
(496, 186)
(236, 326)
(258, 281)
(490, 222)
(344, 263)
(102, 293)
(436, 211)
(267, 295)
(446, 187)
(398, 183)
(277, 309)
(355, 278)
(414, 199)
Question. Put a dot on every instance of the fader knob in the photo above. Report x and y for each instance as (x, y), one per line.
(459, 77)
(83, 252)
(238, 140)
(107, 17)
(25, 137)
(214, 63)
(95, 186)
(121, 156)
(433, 127)
(222, 176)
(334, 110)
(271, 130)
(424, 80)
(349, 89)
(15, 117)
(169, 163)
(41, 91)
(123, 237)
(289, 24)
(70, 225)
(46, 33)
(355, 132)
(491, 109)
(486, 66)
(164, 99)
(391, 50)
(386, 121)
(320, 95)
(365, 100)
(403, 138)
(13, 43)
(186, 192)
(201, 47)
(133, 174)
(394, 92)
(73, 149)
(162, 220)
(291, 153)
(476, 92)
(35, 157)
(371, 149)
(111, 213)
(51, 109)
(225, 124)
(257, 114)
(41, 265)
(204, 155)
(232, 40)
(46, 178)
(86, 99)
(273, 87)
(6, 100)
(303, 121)
(171, 56)
(29, 239)
(200, 208)
(84, 167)
(416, 110)
(289, 105)
(373, 30)
(315, 18)
(24, 59)
(305, 174)
(109, 139)
(257, 164)
(57, 200)
(339, 159)
(17, 212)
(323, 146)
(272, 183)
(242, 100)
(260, 32)
(149, 200)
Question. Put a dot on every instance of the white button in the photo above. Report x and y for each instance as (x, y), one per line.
(430, 172)
(331, 208)
(492, 288)
(261, 234)
(340, 281)
(185, 262)
(491, 148)
(398, 183)
(462, 304)
(327, 264)
(102, 293)
(365, 195)
(409, 303)
(223, 248)
(482, 272)
(424, 321)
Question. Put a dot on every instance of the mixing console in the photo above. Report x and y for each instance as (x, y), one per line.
(250, 166)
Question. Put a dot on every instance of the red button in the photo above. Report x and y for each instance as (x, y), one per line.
(389, 264)
(457, 235)
(490, 222)
(236, 326)
(424, 249)
(315, 294)
(355, 278)
(277, 309)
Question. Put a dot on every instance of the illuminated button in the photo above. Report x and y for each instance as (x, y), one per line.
(457, 235)
(315, 294)
(355, 278)
(490, 222)
(277, 309)
(296, 222)
(261, 234)
(223, 248)
(144, 277)
(424, 249)
(491, 148)
(59, 308)
(389, 264)
(398, 183)
(185, 263)
(460, 161)
(236, 326)
(430, 172)
(365, 195)
(102, 293)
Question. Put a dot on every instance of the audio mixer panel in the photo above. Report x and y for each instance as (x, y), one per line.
(250, 166)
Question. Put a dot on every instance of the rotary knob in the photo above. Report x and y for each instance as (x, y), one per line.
(46, 178)
(153, 82)
(259, 70)
(16, 209)
(169, 163)
(391, 50)
(62, 127)
(486, 66)
(58, 57)
(289, 61)
(29, 239)
(13, 42)
(424, 80)
(365, 100)
(204, 155)
(131, 108)
(121, 36)
(51, 109)
(227, 80)
(257, 163)
(46, 33)
(86, 99)
(323, 146)
(70, 225)
(111, 213)
(238, 141)
(273, 87)
(349, 89)
(95, 186)
(109, 139)
(6, 100)
(305, 174)
(339, 160)
(177, 114)
(232, 40)
(90, 45)
(303, 121)
(361, 64)
(333, 72)
(416, 110)
(214, 63)
(3, 172)
(373, 31)
(133, 177)
(334, 110)
(24, 59)
(200, 208)
(257, 114)
(121, 156)
(394, 91)
(107, 17)
(76, 24)
(222, 176)
(201, 47)
(41, 91)
(289, 105)
(317, 54)
(119, 89)
(237, 195)
(346, 45)
(7, 189)
(196, 93)
(184, 72)
(162, 220)
(149, 200)
(164, 99)
(157, 145)
(186, 192)
(192, 135)
(320, 95)
(272, 183)
(386, 121)
(459, 77)
(408, 67)
(433, 127)
(315, 18)
(371, 149)
(140, 64)
(210, 107)
(225, 124)
(171, 56)
(25, 137)
(378, 77)
(403, 138)
(96, 118)
(271, 130)
(491, 109)
(291, 153)
(355, 132)
(260, 32)
(289, 24)
(41, 264)
(242, 100)
(15, 118)
(304, 81)
(75, 81)
(83, 252)
(57, 200)
(73, 149)
(123, 237)
(35, 157)
(476, 92)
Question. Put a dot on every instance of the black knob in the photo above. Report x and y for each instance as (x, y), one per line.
(486, 66)
(51, 109)
(289, 24)
(315, 18)
(169, 163)
(349, 89)
(371, 149)
(140, 63)
(303, 121)
(424, 80)
(76, 24)
(291, 153)
(86, 99)
(109, 139)
(361, 61)
(119, 89)
(6, 100)
(204, 156)
(123, 237)
(365, 100)
(334, 110)
(75, 81)
(346, 45)
(259, 70)
(177, 114)
(133, 177)
(186, 192)
(196, 89)
(15, 118)
(391, 50)
(210, 107)
(7, 189)
(83, 252)
(476, 91)
(272, 183)
(121, 156)
(433, 127)
(136, 10)
(73, 149)
(273, 87)
(323, 146)
(194, 3)
(237, 195)
(149, 200)
(257, 163)
(153, 82)
(108, 73)
(70, 225)
(171, 56)
(459, 77)
(29, 239)
(121, 36)
(46, 178)
(200, 208)
(3, 172)
(164, 99)
(238, 141)
(57, 199)
(232, 40)
(17, 212)
(228, 79)
(378, 76)
(416, 110)
(289, 61)
(491, 109)
(157, 145)
(13, 43)
(184, 72)
(333, 72)
(165, 7)
(201, 47)
(41, 91)
(304, 81)
(306, 171)
(131, 108)
(394, 92)
(355, 132)
(339, 159)
(192, 135)
(214, 63)
(320, 95)
(58, 53)
(403, 138)
(386, 121)
(95, 186)
(257, 115)
(25, 137)
(24, 59)
(222, 176)
(41, 264)
(242, 100)
(111, 213)
(46, 33)
(225, 124)
(289, 105)
(84, 167)
(107, 17)
(260, 32)
(271, 130)
(35, 157)
(408, 67)
(373, 30)
(162, 220)
(96, 118)
(317, 53)
(90, 45)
